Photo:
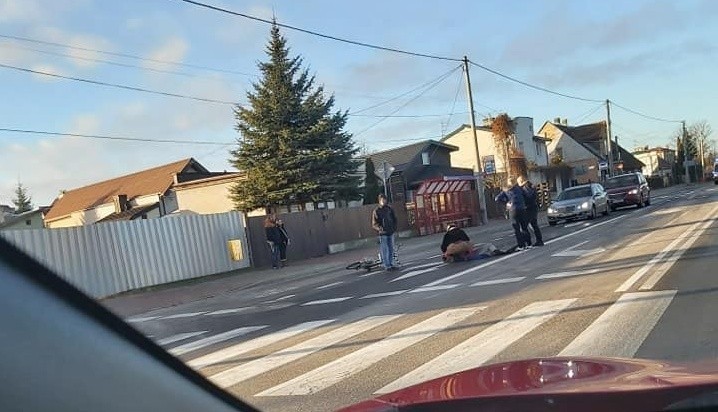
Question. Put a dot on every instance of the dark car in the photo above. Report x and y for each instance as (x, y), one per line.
(630, 189)
(715, 172)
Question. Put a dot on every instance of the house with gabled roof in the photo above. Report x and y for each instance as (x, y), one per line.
(140, 195)
(413, 164)
(583, 148)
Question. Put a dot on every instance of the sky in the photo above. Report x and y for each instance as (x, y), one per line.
(654, 57)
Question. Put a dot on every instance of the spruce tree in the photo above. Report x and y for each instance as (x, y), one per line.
(292, 147)
(22, 201)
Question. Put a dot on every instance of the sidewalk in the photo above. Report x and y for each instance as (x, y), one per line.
(163, 296)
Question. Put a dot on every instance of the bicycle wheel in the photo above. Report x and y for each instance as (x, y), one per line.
(354, 266)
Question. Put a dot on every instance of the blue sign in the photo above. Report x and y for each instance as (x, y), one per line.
(489, 164)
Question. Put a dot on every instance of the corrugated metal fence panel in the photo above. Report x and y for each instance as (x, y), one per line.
(108, 258)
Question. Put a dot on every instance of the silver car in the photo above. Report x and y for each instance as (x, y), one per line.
(579, 202)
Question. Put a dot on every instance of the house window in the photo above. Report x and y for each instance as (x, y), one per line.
(538, 149)
(28, 222)
(425, 158)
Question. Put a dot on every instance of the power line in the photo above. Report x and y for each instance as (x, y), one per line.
(406, 115)
(453, 105)
(658, 119)
(533, 86)
(436, 82)
(126, 55)
(129, 139)
(314, 33)
(588, 114)
(88, 59)
(119, 86)
(397, 97)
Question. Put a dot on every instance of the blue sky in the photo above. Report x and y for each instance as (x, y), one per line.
(657, 57)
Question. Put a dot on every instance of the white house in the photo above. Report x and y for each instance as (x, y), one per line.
(533, 147)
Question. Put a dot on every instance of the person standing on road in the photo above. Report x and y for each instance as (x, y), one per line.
(383, 220)
(284, 242)
(531, 208)
(513, 195)
(274, 239)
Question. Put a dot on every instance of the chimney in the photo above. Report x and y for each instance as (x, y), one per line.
(564, 122)
(121, 203)
(557, 120)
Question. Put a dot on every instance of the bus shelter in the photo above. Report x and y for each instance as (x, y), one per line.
(439, 202)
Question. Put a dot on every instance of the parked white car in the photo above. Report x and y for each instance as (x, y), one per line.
(579, 202)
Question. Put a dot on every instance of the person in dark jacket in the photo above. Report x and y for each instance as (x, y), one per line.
(284, 241)
(274, 238)
(531, 208)
(513, 197)
(383, 220)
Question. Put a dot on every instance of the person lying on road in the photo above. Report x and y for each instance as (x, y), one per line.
(456, 246)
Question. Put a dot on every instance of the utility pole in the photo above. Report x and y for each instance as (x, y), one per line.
(479, 172)
(685, 151)
(703, 167)
(609, 151)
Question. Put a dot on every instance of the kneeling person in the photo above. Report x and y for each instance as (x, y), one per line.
(456, 246)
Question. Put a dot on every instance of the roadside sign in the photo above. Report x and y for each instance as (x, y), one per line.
(489, 164)
(602, 165)
(384, 171)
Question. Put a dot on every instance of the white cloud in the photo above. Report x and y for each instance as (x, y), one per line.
(173, 49)
(85, 41)
(20, 10)
(85, 124)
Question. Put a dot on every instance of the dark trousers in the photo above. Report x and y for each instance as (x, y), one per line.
(283, 251)
(521, 230)
(533, 222)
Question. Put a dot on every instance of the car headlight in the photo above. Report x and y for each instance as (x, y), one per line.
(633, 192)
(551, 210)
(584, 205)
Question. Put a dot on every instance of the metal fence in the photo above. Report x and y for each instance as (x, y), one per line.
(108, 258)
(312, 232)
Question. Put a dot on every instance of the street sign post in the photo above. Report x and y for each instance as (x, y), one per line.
(489, 164)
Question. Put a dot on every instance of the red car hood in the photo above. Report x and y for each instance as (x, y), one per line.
(560, 384)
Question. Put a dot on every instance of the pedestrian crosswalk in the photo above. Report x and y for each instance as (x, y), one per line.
(317, 355)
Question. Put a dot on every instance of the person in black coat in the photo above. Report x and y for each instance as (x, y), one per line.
(284, 241)
(274, 239)
(383, 220)
(514, 198)
(532, 207)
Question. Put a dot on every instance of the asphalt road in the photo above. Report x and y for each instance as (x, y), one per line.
(638, 283)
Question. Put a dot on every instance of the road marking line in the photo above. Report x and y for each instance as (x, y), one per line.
(256, 343)
(141, 319)
(280, 299)
(262, 365)
(433, 288)
(226, 311)
(572, 224)
(434, 257)
(663, 269)
(512, 255)
(498, 281)
(568, 274)
(329, 285)
(383, 294)
(659, 256)
(323, 301)
(483, 346)
(179, 337)
(416, 273)
(426, 265)
(357, 361)
(183, 315)
(623, 327)
(211, 340)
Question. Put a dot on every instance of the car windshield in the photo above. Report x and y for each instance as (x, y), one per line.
(577, 193)
(305, 201)
(621, 181)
